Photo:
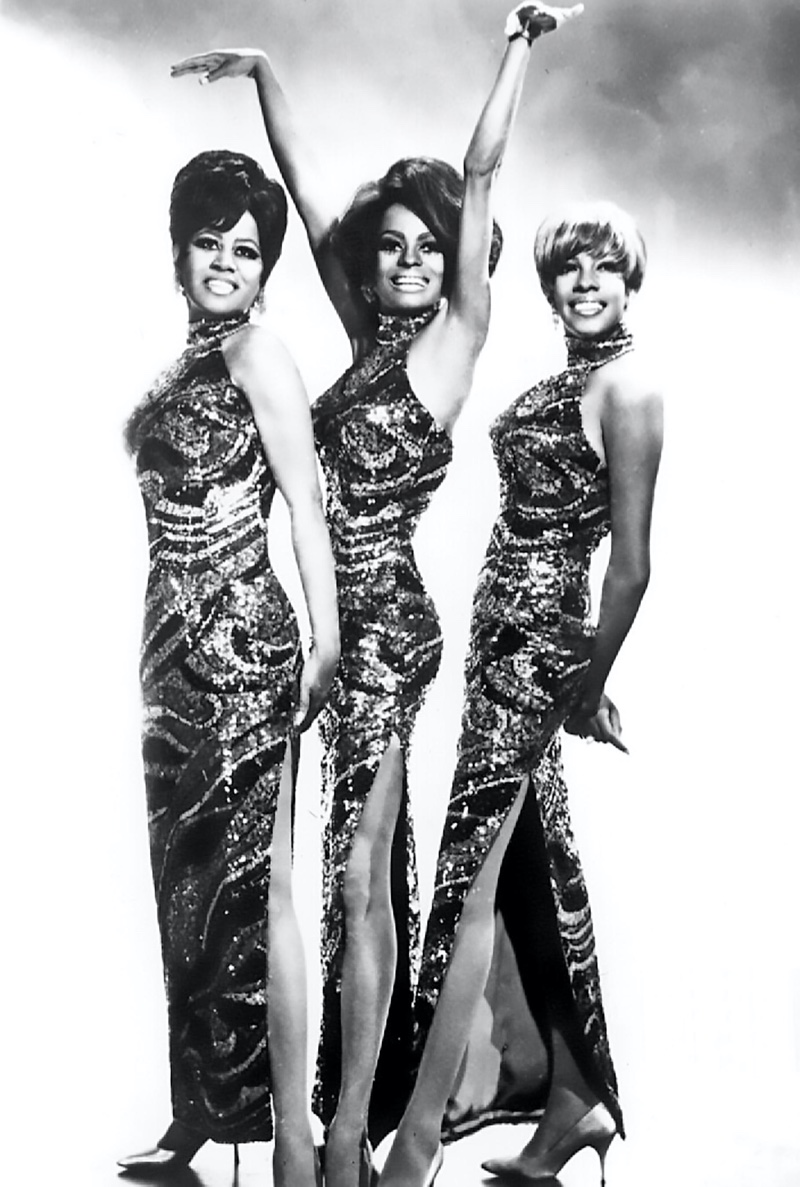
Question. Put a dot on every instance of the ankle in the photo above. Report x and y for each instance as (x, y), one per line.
(180, 1137)
(565, 1100)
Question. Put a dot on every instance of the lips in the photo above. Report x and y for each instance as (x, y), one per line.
(220, 288)
(587, 308)
(409, 283)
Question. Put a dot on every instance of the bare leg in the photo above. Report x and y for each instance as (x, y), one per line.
(368, 967)
(293, 1158)
(417, 1138)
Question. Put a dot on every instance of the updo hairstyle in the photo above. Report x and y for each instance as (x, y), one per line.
(214, 190)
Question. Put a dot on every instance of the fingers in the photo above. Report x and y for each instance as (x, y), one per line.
(302, 720)
(544, 18)
(196, 64)
(614, 718)
(603, 726)
(615, 740)
(218, 63)
(609, 728)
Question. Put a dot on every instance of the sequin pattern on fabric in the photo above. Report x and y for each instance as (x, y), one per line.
(383, 457)
(530, 644)
(219, 664)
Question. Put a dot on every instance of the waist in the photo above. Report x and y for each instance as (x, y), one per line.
(193, 543)
(211, 561)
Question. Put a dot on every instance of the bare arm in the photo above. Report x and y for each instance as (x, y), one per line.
(298, 167)
(470, 297)
(632, 423)
(451, 345)
(469, 302)
(263, 368)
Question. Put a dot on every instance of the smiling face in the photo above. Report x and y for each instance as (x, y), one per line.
(410, 266)
(590, 294)
(221, 270)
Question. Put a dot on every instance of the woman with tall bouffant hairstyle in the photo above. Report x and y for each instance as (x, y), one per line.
(225, 688)
(509, 1013)
(407, 269)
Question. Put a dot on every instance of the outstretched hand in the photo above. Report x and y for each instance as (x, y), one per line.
(603, 725)
(219, 63)
(534, 19)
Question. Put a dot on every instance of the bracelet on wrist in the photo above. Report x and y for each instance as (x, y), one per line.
(517, 27)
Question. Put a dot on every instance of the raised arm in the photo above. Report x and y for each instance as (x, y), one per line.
(263, 368)
(632, 424)
(297, 164)
(443, 357)
(470, 297)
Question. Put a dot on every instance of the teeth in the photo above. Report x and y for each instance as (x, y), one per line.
(408, 282)
(220, 288)
(587, 308)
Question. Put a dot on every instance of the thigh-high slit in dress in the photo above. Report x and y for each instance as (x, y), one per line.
(383, 456)
(219, 669)
(530, 645)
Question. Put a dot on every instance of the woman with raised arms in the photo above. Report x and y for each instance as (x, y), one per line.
(407, 268)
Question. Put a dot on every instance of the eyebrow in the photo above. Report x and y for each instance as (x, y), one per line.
(390, 233)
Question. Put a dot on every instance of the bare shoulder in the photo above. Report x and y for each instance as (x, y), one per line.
(628, 384)
(260, 363)
(255, 347)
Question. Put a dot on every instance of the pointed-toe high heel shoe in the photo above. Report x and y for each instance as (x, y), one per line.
(595, 1128)
(171, 1153)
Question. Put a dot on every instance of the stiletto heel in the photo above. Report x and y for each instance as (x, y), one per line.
(174, 1151)
(601, 1146)
(595, 1128)
(236, 1156)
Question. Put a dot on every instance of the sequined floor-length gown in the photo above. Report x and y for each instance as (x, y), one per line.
(530, 645)
(219, 666)
(383, 456)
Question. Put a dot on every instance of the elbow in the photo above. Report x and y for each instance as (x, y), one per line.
(631, 579)
(481, 166)
(637, 581)
(307, 511)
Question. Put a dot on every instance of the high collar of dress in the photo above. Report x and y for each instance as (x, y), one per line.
(599, 350)
(398, 328)
(212, 330)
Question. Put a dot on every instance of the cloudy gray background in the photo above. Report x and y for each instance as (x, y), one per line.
(689, 115)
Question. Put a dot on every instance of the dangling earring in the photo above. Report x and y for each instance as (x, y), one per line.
(368, 294)
(557, 324)
(260, 301)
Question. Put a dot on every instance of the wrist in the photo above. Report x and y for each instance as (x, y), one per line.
(260, 71)
(589, 702)
(520, 28)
